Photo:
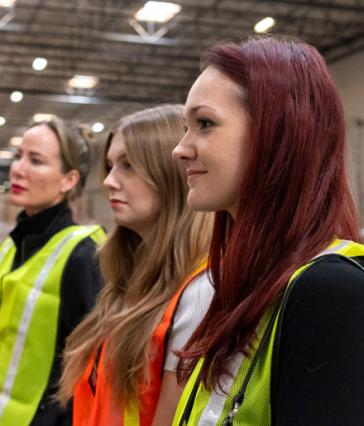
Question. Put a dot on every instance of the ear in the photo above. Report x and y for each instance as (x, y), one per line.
(69, 181)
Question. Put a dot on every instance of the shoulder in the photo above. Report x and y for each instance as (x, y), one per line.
(199, 290)
(84, 250)
(333, 278)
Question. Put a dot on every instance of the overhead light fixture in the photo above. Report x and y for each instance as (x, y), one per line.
(42, 117)
(16, 96)
(6, 155)
(7, 3)
(16, 141)
(39, 64)
(98, 127)
(2, 121)
(157, 11)
(83, 82)
(264, 25)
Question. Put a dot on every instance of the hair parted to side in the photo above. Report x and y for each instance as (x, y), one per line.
(74, 149)
(141, 276)
(294, 195)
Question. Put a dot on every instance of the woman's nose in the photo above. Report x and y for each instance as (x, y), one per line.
(183, 151)
(17, 167)
(110, 181)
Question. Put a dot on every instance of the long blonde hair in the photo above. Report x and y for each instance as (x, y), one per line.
(141, 276)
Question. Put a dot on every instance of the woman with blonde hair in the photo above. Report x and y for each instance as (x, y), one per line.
(49, 274)
(119, 362)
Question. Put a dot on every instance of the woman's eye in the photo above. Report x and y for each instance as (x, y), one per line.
(35, 161)
(127, 165)
(17, 156)
(205, 123)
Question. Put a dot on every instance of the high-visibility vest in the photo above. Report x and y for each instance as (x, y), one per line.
(29, 307)
(93, 404)
(246, 401)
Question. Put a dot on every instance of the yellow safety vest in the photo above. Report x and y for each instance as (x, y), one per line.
(247, 398)
(29, 306)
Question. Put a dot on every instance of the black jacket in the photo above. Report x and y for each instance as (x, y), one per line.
(81, 281)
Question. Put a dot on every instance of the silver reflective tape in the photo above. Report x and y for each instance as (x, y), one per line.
(5, 249)
(334, 249)
(215, 405)
(26, 318)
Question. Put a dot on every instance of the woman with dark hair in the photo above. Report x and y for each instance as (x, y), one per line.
(49, 274)
(283, 340)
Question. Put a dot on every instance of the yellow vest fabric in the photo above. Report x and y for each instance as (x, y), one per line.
(198, 406)
(29, 307)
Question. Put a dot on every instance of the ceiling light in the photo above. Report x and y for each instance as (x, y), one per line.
(42, 117)
(39, 64)
(2, 121)
(157, 11)
(16, 141)
(16, 96)
(83, 82)
(7, 3)
(98, 127)
(6, 155)
(264, 25)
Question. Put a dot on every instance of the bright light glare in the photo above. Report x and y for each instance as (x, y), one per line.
(6, 155)
(42, 117)
(98, 127)
(7, 3)
(16, 96)
(264, 25)
(39, 64)
(157, 11)
(2, 120)
(16, 141)
(83, 82)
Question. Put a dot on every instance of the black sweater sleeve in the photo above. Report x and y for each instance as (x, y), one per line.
(320, 370)
(81, 282)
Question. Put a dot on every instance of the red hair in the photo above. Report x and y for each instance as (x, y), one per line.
(294, 197)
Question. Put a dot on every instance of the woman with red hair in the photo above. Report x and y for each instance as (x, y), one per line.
(283, 340)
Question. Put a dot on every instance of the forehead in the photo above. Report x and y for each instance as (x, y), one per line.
(117, 146)
(41, 139)
(213, 89)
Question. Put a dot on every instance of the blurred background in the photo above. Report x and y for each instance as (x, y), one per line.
(92, 61)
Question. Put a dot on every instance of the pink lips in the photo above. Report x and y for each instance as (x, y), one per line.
(117, 203)
(191, 174)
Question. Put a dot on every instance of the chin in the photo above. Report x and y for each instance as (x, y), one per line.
(199, 204)
(15, 202)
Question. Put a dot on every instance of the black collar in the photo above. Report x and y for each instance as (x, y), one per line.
(32, 232)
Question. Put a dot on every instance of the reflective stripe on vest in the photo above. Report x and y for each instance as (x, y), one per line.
(94, 407)
(198, 406)
(28, 322)
(5, 247)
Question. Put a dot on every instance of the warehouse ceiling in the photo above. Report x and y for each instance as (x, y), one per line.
(139, 64)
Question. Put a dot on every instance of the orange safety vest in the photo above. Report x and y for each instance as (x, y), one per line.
(92, 401)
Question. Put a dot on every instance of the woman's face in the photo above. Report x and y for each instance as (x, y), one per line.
(215, 146)
(36, 176)
(134, 202)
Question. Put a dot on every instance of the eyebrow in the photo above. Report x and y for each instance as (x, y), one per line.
(194, 109)
(37, 153)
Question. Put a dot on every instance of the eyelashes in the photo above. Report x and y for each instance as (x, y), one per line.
(203, 123)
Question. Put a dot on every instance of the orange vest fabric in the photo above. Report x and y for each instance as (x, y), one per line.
(92, 401)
